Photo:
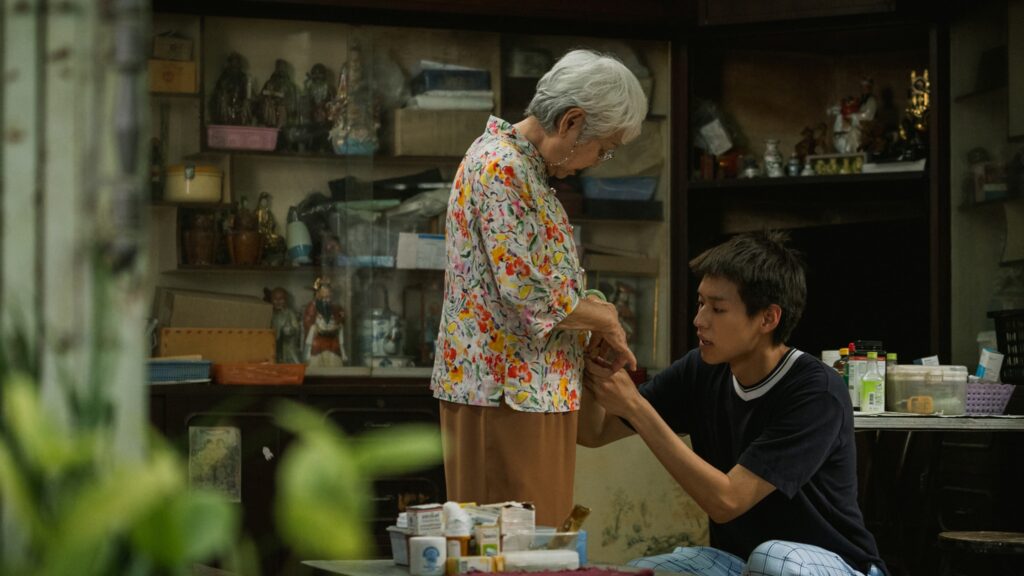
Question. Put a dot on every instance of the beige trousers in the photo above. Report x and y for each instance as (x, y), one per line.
(498, 454)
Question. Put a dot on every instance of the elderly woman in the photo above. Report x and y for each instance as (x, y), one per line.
(515, 321)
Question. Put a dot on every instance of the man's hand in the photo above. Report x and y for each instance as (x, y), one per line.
(613, 389)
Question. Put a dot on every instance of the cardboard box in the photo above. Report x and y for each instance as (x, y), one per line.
(420, 251)
(219, 345)
(172, 48)
(172, 76)
(425, 520)
(435, 132)
(176, 308)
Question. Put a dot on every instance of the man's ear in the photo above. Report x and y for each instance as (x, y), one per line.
(770, 318)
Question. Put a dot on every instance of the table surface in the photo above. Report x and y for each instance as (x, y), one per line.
(896, 421)
(388, 568)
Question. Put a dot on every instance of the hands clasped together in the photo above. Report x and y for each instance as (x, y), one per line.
(607, 353)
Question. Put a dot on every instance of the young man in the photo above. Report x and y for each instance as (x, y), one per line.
(773, 461)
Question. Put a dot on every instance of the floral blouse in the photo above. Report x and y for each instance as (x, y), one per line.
(513, 274)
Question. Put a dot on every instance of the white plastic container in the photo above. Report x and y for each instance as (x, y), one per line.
(193, 183)
(926, 389)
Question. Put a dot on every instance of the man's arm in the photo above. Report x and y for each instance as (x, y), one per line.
(723, 496)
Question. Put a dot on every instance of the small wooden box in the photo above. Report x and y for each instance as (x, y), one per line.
(172, 76)
(219, 345)
(172, 48)
(435, 132)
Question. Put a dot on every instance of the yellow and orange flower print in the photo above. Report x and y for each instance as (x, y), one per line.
(512, 276)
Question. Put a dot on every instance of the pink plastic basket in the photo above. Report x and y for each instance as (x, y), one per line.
(988, 398)
(241, 137)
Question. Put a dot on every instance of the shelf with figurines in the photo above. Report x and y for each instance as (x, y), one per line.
(866, 138)
(341, 120)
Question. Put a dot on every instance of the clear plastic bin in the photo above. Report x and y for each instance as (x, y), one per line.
(926, 389)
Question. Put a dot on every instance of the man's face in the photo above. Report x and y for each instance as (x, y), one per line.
(725, 332)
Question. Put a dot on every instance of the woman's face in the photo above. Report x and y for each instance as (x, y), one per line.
(570, 154)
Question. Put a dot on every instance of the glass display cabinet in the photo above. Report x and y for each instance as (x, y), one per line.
(336, 145)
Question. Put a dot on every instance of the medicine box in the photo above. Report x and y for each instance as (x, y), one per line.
(425, 520)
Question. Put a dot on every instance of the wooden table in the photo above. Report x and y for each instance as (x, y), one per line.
(891, 421)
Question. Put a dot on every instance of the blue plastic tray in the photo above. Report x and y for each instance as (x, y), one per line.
(164, 371)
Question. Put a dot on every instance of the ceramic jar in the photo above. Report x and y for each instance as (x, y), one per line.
(773, 163)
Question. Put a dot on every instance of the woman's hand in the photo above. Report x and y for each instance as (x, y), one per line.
(608, 344)
(607, 338)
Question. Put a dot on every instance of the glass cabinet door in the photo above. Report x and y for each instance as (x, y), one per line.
(341, 143)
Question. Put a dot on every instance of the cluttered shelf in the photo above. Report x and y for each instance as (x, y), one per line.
(809, 181)
(328, 157)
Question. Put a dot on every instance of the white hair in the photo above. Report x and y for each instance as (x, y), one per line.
(599, 84)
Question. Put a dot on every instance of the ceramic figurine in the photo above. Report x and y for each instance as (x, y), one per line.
(913, 130)
(230, 103)
(773, 166)
(273, 243)
(355, 112)
(286, 325)
(278, 103)
(322, 322)
(850, 116)
(806, 146)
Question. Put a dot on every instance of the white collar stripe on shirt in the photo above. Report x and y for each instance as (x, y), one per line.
(762, 387)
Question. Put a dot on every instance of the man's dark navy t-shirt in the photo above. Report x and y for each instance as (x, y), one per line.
(794, 429)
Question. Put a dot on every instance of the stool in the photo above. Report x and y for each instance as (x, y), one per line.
(995, 553)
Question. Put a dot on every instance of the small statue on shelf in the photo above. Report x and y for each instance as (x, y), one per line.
(913, 131)
(272, 242)
(355, 112)
(229, 103)
(322, 322)
(850, 116)
(286, 325)
(278, 104)
(807, 144)
(310, 131)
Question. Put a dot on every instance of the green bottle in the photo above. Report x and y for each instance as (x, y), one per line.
(872, 387)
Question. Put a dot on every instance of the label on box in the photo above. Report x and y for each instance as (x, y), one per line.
(420, 251)
(425, 520)
(488, 540)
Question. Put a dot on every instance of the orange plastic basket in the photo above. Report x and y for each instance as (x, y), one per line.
(258, 374)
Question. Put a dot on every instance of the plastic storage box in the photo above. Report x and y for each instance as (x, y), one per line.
(926, 389)
(638, 188)
(225, 137)
(172, 371)
(1010, 341)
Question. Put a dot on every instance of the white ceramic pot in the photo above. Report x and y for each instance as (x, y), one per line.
(193, 183)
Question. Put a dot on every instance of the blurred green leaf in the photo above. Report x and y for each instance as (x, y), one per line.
(115, 501)
(323, 499)
(49, 447)
(187, 527)
(398, 450)
(15, 494)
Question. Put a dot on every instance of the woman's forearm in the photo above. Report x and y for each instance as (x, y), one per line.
(591, 314)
